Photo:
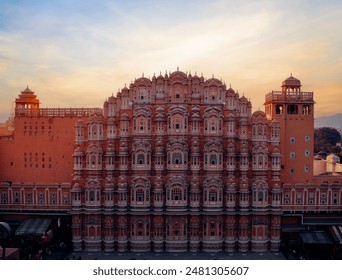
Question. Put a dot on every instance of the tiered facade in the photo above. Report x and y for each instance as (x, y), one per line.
(176, 163)
(173, 163)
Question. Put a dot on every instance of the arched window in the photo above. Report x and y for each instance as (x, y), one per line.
(231, 128)
(94, 157)
(177, 158)
(213, 154)
(93, 192)
(177, 120)
(306, 110)
(259, 131)
(140, 192)
(213, 120)
(213, 195)
(142, 120)
(79, 131)
(292, 109)
(141, 159)
(260, 158)
(213, 159)
(95, 130)
(279, 109)
(259, 189)
(176, 193)
(275, 132)
(212, 125)
(141, 154)
(139, 195)
(178, 123)
(91, 195)
(212, 192)
(177, 154)
(260, 196)
(142, 124)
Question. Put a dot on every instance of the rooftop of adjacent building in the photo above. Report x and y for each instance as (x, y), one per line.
(291, 91)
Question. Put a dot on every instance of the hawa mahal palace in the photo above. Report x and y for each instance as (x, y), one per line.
(174, 163)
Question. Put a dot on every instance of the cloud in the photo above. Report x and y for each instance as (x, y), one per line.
(77, 53)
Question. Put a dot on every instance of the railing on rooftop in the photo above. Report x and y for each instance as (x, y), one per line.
(289, 96)
(55, 112)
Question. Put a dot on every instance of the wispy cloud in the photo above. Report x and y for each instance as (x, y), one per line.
(76, 53)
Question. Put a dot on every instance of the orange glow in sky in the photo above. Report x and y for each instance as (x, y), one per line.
(77, 53)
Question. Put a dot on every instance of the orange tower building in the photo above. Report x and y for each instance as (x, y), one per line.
(294, 110)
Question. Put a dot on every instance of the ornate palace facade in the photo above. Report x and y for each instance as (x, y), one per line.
(176, 163)
(173, 163)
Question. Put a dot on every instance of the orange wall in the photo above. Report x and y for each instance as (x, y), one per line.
(41, 150)
(6, 157)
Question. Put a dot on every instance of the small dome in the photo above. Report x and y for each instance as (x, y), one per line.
(230, 90)
(243, 99)
(213, 81)
(195, 77)
(125, 89)
(160, 77)
(276, 187)
(259, 113)
(291, 81)
(80, 122)
(27, 90)
(78, 151)
(110, 147)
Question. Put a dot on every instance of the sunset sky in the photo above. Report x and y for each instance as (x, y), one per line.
(77, 53)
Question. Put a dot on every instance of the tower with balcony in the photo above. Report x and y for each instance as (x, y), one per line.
(294, 110)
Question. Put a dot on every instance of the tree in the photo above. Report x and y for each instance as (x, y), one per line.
(326, 139)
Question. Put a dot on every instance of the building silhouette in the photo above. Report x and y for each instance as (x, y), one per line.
(174, 163)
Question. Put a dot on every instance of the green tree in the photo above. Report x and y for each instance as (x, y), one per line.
(326, 139)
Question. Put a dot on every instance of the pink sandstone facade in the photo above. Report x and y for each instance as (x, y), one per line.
(174, 163)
